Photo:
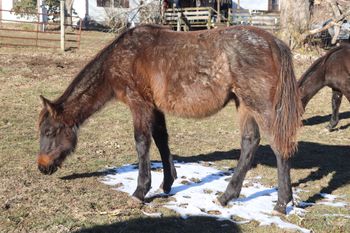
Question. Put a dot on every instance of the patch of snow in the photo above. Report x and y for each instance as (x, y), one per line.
(197, 187)
(153, 215)
(337, 215)
(329, 200)
(333, 204)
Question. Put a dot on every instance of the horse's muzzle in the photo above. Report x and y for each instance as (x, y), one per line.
(47, 170)
(46, 164)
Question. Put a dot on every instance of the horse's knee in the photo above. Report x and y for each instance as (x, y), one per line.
(250, 131)
(251, 139)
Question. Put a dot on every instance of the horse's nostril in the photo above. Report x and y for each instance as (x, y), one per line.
(47, 170)
(42, 169)
(52, 169)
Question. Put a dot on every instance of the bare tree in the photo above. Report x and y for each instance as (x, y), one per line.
(296, 15)
(295, 18)
(117, 15)
(69, 13)
(145, 12)
(149, 12)
(336, 13)
(340, 12)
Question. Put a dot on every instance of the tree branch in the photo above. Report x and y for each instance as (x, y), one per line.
(336, 13)
(332, 23)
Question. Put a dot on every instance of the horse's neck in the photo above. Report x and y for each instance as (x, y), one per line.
(311, 82)
(88, 92)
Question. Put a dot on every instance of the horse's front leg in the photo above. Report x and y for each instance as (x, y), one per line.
(160, 136)
(142, 133)
(336, 101)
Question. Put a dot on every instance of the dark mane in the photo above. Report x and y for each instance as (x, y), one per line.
(94, 64)
(89, 67)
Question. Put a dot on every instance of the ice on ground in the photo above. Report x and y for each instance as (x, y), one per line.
(197, 187)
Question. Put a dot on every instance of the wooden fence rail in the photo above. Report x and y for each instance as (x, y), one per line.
(186, 18)
(267, 21)
(205, 17)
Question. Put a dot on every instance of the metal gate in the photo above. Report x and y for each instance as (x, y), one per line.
(32, 29)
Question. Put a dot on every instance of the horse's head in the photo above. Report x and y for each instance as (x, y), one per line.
(57, 138)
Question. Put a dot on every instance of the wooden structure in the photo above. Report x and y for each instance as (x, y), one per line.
(269, 21)
(186, 16)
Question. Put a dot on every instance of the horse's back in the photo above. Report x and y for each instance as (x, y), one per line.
(204, 68)
(337, 68)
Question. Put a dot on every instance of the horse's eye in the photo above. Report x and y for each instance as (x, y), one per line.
(50, 132)
(47, 133)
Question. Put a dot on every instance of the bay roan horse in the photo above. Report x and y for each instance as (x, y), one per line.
(332, 70)
(154, 71)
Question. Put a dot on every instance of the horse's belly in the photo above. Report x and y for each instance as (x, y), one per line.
(197, 88)
(193, 102)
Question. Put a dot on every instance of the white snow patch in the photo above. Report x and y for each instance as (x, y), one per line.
(329, 200)
(196, 189)
(337, 215)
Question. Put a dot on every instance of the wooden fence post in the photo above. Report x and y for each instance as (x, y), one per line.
(62, 24)
(178, 21)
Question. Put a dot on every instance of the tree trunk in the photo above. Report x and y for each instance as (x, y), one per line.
(69, 12)
(295, 17)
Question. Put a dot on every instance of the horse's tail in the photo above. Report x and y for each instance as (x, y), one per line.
(287, 106)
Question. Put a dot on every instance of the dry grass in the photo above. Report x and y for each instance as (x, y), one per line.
(73, 199)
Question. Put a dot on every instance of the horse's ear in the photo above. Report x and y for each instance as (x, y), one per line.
(49, 106)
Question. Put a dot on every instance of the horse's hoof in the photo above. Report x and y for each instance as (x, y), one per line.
(222, 200)
(166, 187)
(279, 210)
(330, 128)
(138, 194)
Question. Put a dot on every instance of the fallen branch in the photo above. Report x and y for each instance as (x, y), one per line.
(332, 23)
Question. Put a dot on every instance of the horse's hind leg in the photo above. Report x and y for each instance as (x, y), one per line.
(336, 101)
(249, 143)
(160, 136)
(284, 183)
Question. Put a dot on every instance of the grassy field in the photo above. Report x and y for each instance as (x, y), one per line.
(74, 200)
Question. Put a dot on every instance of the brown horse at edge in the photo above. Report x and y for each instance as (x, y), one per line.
(154, 71)
(332, 70)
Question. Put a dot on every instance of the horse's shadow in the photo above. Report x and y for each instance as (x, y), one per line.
(315, 120)
(166, 224)
(84, 175)
(328, 159)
